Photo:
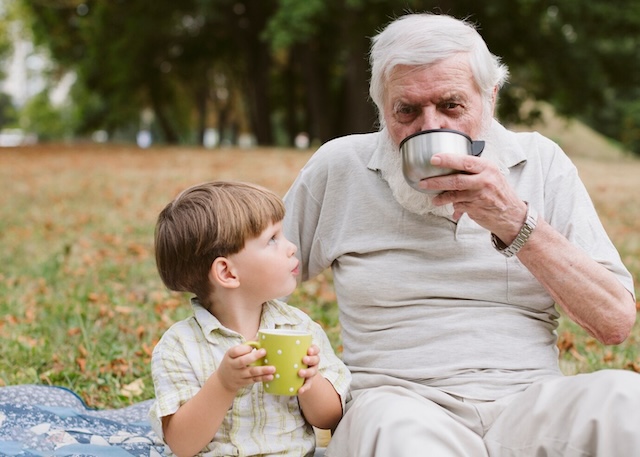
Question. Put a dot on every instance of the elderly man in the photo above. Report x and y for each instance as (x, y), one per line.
(447, 298)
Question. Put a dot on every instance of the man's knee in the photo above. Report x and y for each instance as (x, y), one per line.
(587, 414)
(392, 406)
(395, 421)
(613, 390)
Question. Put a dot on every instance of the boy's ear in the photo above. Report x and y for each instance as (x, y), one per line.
(223, 274)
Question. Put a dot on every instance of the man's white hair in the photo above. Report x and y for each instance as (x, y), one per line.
(424, 39)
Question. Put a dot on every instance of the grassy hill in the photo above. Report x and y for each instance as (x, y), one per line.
(577, 139)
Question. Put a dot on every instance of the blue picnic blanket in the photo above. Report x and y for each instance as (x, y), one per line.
(54, 421)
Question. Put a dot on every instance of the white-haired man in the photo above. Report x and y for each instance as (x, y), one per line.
(447, 298)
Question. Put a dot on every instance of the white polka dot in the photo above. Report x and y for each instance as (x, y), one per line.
(264, 337)
(267, 385)
(298, 342)
(295, 365)
(266, 360)
(279, 351)
(277, 376)
(291, 389)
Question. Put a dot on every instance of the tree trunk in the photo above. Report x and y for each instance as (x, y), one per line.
(201, 109)
(359, 111)
(257, 85)
(318, 97)
(250, 24)
(167, 129)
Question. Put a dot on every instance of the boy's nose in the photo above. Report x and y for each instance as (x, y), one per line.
(292, 248)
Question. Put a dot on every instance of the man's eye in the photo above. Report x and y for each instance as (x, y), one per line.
(405, 113)
(405, 110)
(449, 106)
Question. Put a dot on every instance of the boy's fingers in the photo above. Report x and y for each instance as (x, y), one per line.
(246, 359)
(311, 360)
(259, 372)
(239, 350)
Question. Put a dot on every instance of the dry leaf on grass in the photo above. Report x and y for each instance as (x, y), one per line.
(133, 389)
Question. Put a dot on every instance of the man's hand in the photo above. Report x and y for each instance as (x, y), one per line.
(481, 191)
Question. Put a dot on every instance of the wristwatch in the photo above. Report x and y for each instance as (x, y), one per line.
(523, 235)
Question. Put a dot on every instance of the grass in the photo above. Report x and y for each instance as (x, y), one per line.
(81, 304)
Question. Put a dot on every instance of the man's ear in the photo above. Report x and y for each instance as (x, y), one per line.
(223, 273)
(494, 100)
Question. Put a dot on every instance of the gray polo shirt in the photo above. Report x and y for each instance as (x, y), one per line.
(427, 300)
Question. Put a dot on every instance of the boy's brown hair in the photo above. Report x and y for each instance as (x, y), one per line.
(208, 221)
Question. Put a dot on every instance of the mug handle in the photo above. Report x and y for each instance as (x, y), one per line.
(477, 147)
(254, 345)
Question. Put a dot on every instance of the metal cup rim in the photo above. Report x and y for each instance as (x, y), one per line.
(423, 132)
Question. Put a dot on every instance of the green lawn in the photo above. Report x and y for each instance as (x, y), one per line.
(81, 304)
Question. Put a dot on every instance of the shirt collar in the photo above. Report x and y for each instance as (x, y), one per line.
(501, 146)
(375, 163)
(275, 314)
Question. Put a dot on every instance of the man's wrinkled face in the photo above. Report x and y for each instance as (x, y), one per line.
(441, 95)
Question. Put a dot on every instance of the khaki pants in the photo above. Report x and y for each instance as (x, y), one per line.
(595, 414)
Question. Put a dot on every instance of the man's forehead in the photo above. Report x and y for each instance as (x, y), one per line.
(433, 97)
(444, 82)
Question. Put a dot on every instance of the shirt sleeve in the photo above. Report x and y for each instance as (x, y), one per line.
(305, 220)
(569, 208)
(174, 379)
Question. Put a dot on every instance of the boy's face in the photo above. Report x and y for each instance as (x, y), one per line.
(267, 265)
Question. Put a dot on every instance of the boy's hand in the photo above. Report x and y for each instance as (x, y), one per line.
(312, 360)
(235, 370)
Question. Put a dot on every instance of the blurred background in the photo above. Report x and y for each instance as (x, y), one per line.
(287, 72)
(92, 82)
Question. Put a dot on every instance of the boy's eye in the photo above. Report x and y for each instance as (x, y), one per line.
(273, 240)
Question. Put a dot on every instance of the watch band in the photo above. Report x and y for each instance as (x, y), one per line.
(523, 235)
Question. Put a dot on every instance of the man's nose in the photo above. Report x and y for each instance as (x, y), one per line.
(431, 119)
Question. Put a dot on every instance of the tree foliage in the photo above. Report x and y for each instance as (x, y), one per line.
(278, 67)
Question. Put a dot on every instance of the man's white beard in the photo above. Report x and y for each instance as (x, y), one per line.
(409, 198)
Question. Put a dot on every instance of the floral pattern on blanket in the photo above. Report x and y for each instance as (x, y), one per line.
(54, 421)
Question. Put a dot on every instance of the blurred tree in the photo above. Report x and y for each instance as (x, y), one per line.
(583, 56)
(6, 35)
(8, 113)
(278, 67)
(323, 46)
(39, 116)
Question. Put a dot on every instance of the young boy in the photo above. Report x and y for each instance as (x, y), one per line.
(223, 242)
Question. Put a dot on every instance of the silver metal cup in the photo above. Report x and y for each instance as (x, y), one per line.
(417, 150)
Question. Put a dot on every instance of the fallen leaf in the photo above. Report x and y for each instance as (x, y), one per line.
(574, 352)
(123, 309)
(566, 342)
(133, 389)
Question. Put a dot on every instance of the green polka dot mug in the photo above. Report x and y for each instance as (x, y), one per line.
(285, 350)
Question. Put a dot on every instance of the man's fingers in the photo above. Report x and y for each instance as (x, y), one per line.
(465, 164)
